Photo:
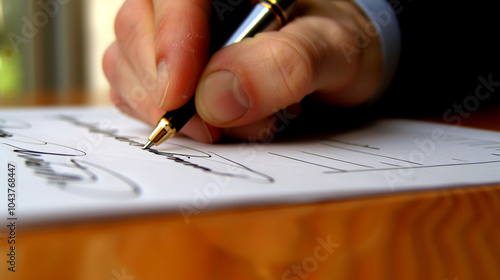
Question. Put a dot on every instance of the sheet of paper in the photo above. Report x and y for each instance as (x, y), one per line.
(78, 163)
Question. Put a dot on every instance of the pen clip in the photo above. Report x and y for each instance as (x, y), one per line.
(265, 16)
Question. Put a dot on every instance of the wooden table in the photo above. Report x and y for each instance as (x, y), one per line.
(450, 234)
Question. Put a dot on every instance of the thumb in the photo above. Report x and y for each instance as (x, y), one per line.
(259, 76)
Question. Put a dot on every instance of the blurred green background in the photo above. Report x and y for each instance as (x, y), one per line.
(10, 60)
(51, 49)
(42, 45)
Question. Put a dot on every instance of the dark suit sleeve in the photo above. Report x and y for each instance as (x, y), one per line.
(449, 59)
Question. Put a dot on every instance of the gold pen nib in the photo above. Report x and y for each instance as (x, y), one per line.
(162, 132)
(148, 145)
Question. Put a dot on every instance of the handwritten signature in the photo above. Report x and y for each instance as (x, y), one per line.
(79, 176)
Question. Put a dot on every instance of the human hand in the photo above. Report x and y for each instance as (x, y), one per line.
(159, 61)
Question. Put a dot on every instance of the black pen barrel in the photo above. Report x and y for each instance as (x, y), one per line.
(179, 117)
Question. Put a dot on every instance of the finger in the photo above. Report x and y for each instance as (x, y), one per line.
(128, 96)
(265, 130)
(120, 103)
(127, 92)
(182, 42)
(134, 28)
(260, 131)
(199, 130)
(257, 77)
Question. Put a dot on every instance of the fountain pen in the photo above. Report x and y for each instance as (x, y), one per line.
(266, 15)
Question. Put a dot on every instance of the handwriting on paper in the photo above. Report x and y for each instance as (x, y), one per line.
(77, 163)
(46, 159)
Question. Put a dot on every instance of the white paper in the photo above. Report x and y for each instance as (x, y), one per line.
(80, 163)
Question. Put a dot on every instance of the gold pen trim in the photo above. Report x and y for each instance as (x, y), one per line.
(163, 131)
(281, 10)
(277, 10)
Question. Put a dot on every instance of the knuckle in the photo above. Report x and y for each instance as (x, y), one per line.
(294, 64)
(180, 28)
(128, 26)
(115, 98)
(122, 20)
(119, 102)
(109, 61)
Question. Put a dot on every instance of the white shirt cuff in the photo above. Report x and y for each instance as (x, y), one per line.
(383, 17)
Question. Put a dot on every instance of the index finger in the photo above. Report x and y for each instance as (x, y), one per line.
(181, 45)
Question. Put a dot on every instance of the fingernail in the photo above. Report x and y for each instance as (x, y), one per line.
(222, 98)
(162, 83)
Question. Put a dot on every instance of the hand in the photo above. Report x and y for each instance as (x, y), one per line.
(159, 60)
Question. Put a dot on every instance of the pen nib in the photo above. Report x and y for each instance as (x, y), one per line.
(148, 145)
